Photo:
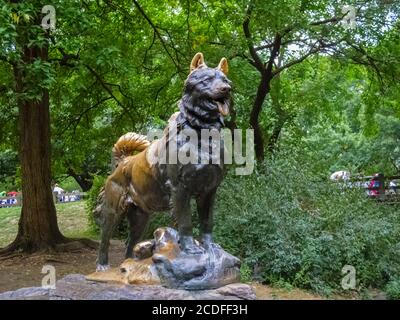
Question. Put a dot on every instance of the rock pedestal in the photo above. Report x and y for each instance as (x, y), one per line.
(76, 287)
(159, 271)
(161, 261)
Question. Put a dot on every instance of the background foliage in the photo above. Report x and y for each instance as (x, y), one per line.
(118, 66)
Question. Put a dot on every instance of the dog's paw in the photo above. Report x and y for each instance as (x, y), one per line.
(193, 249)
(207, 242)
(102, 267)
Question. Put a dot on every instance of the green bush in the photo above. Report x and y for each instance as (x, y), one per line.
(69, 184)
(245, 273)
(98, 183)
(291, 225)
(393, 289)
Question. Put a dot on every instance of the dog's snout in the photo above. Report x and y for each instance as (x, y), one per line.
(224, 88)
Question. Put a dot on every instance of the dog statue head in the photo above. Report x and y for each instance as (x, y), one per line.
(207, 93)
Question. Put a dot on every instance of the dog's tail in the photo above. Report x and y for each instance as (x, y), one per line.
(127, 145)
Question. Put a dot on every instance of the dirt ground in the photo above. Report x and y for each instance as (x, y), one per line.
(25, 271)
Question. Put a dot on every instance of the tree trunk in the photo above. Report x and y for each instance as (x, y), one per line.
(262, 91)
(281, 114)
(37, 229)
(273, 139)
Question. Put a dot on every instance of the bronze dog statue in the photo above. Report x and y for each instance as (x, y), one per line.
(141, 185)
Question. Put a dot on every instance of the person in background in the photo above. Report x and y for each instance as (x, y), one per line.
(342, 175)
(376, 186)
(3, 201)
(342, 178)
(393, 187)
(12, 198)
(59, 192)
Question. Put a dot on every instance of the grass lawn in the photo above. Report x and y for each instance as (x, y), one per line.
(71, 220)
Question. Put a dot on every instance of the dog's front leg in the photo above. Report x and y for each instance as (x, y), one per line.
(205, 204)
(182, 212)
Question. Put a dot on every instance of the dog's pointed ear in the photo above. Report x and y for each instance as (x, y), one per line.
(223, 66)
(197, 61)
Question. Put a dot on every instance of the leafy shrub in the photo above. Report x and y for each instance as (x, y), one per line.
(292, 225)
(245, 273)
(98, 183)
(69, 184)
(9, 171)
(393, 289)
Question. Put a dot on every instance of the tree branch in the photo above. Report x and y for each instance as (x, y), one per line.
(246, 29)
(243, 56)
(105, 86)
(263, 47)
(296, 61)
(78, 119)
(177, 66)
(326, 21)
(274, 53)
(370, 60)
(66, 57)
(314, 49)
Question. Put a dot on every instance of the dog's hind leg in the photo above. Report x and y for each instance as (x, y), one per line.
(137, 220)
(110, 220)
(109, 213)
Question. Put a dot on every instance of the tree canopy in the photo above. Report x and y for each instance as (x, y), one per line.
(116, 66)
(302, 75)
